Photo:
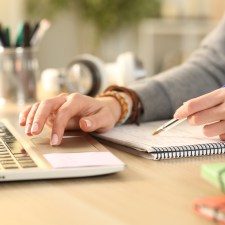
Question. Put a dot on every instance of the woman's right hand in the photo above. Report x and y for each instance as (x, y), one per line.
(70, 111)
(207, 110)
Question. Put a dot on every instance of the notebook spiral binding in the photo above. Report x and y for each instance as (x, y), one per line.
(188, 150)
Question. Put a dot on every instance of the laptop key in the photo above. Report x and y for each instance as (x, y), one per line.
(10, 166)
(22, 156)
(28, 165)
(12, 153)
(5, 161)
(6, 158)
(15, 147)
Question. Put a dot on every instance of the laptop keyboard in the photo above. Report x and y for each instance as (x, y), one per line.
(12, 153)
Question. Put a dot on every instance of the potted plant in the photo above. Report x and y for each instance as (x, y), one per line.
(110, 18)
(105, 15)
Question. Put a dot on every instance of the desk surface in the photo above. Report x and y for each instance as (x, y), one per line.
(146, 192)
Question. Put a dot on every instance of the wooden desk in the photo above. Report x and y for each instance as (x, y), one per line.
(146, 192)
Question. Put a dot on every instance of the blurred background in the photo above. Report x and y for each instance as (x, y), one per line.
(162, 33)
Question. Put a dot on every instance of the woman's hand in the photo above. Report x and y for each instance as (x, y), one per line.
(70, 111)
(208, 109)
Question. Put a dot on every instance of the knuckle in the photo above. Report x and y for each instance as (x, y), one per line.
(63, 94)
(74, 96)
(46, 103)
(190, 106)
(63, 111)
(194, 120)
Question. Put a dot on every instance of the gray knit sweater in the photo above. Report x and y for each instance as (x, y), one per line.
(161, 95)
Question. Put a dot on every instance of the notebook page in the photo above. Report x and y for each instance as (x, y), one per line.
(141, 138)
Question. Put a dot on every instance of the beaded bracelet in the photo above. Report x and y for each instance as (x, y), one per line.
(137, 108)
(123, 101)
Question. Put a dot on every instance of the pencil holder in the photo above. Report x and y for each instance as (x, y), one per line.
(19, 69)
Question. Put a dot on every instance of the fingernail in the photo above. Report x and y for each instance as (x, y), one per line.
(88, 123)
(55, 139)
(21, 119)
(34, 127)
(28, 128)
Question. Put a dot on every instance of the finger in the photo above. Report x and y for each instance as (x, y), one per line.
(222, 137)
(30, 118)
(210, 115)
(73, 124)
(203, 102)
(77, 105)
(101, 121)
(59, 124)
(45, 109)
(214, 129)
(23, 115)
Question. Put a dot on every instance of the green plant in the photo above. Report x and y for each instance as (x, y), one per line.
(106, 15)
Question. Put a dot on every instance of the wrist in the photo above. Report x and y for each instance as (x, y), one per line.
(121, 105)
(114, 106)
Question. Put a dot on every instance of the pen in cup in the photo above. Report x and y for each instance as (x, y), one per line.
(2, 37)
(39, 33)
(19, 37)
(168, 125)
(26, 34)
(7, 36)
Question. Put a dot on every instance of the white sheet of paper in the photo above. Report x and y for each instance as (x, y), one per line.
(83, 159)
(141, 136)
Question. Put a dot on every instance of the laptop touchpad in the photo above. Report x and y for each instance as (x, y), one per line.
(71, 143)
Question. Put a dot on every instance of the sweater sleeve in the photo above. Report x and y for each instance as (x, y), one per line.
(162, 94)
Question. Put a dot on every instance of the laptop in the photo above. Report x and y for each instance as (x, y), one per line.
(32, 158)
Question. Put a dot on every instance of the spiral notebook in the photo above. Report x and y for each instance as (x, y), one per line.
(181, 141)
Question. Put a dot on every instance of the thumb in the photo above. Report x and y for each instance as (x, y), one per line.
(86, 124)
(98, 122)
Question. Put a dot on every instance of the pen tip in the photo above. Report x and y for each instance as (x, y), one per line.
(157, 132)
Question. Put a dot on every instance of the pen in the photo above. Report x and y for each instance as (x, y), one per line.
(41, 29)
(168, 125)
(26, 34)
(19, 38)
(2, 37)
(34, 30)
(7, 36)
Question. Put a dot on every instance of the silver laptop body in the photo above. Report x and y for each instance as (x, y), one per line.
(26, 158)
